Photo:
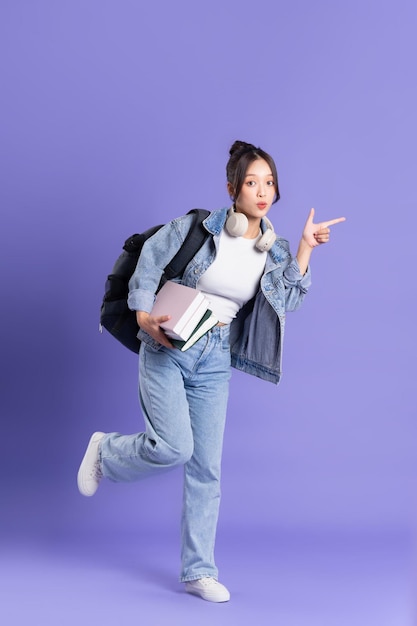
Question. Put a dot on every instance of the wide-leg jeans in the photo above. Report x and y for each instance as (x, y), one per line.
(184, 399)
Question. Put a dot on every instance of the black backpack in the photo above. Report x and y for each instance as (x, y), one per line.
(115, 316)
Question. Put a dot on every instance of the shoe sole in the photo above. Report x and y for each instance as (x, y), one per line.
(82, 486)
(207, 597)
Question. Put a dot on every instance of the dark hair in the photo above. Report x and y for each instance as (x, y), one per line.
(241, 156)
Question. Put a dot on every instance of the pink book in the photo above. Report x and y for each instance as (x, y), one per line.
(185, 305)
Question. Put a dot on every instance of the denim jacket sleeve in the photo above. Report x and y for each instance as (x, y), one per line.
(156, 253)
(286, 274)
(296, 285)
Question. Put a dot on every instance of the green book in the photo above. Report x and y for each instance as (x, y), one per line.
(204, 325)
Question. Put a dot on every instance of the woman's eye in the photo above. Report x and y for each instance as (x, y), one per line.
(251, 183)
(270, 183)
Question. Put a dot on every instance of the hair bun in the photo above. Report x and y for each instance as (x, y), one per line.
(241, 146)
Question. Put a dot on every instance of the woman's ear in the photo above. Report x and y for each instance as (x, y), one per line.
(230, 190)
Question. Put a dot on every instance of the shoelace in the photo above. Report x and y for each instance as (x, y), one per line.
(208, 581)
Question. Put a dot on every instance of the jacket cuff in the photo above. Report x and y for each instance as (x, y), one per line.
(293, 276)
(140, 300)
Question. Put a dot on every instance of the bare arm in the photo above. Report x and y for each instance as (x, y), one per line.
(313, 235)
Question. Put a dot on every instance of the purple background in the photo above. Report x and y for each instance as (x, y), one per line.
(119, 115)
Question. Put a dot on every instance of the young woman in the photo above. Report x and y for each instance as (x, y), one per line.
(251, 280)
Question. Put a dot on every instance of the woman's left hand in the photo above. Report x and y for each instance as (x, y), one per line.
(316, 234)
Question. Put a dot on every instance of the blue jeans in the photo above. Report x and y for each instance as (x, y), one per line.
(184, 398)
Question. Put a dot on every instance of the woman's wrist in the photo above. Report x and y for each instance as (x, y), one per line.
(303, 255)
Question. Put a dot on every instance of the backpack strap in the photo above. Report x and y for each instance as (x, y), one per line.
(195, 238)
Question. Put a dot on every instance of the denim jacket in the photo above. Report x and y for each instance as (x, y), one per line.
(257, 332)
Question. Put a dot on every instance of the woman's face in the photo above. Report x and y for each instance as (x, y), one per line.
(258, 190)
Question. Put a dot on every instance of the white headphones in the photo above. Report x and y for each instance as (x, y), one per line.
(237, 225)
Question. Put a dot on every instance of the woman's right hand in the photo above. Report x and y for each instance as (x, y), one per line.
(151, 325)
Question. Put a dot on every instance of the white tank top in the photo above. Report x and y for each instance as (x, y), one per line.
(233, 277)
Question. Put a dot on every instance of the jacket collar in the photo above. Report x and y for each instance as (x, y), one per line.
(215, 222)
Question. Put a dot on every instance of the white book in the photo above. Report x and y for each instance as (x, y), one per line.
(204, 325)
(185, 305)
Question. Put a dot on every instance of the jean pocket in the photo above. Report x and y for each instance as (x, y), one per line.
(225, 339)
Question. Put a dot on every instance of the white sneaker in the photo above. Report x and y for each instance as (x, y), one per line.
(89, 474)
(208, 588)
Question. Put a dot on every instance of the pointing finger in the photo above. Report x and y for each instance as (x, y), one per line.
(332, 222)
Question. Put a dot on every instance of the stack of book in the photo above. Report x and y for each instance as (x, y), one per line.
(190, 313)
